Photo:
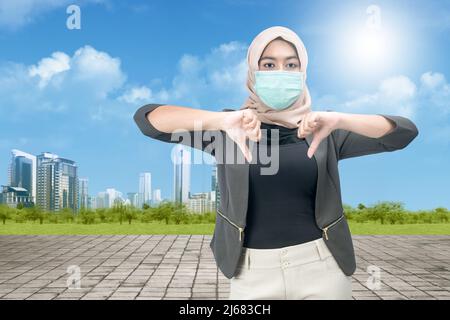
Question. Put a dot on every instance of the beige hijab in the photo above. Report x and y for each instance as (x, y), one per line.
(291, 116)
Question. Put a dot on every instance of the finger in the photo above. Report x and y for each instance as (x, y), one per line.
(303, 132)
(258, 133)
(317, 117)
(254, 133)
(312, 127)
(307, 130)
(247, 118)
(252, 123)
(249, 115)
(245, 151)
(300, 132)
(305, 122)
(314, 144)
(312, 124)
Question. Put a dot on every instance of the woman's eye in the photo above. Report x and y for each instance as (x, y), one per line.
(270, 65)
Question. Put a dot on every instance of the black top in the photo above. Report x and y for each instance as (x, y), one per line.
(282, 203)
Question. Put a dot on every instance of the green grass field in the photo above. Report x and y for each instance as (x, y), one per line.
(30, 228)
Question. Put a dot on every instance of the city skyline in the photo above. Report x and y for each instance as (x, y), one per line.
(53, 184)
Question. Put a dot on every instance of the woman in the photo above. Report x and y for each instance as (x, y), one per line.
(281, 235)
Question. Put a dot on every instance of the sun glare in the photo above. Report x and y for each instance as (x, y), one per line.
(369, 48)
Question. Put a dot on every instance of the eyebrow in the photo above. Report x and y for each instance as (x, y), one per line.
(272, 58)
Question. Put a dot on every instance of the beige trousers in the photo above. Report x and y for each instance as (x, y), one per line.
(304, 271)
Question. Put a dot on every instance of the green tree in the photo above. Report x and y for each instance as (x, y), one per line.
(361, 206)
(35, 213)
(130, 213)
(120, 210)
(5, 213)
(441, 214)
(67, 215)
(179, 213)
(102, 214)
(86, 216)
(164, 211)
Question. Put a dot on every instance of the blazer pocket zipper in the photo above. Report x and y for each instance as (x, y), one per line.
(325, 229)
(232, 223)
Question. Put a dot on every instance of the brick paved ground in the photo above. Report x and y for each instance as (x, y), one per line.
(183, 267)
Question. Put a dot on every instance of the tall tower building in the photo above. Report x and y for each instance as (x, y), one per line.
(215, 187)
(57, 183)
(22, 171)
(113, 197)
(133, 197)
(181, 177)
(83, 197)
(157, 196)
(145, 188)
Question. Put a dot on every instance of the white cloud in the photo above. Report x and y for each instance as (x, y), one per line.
(48, 67)
(136, 94)
(432, 80)
(61, 82)
(215, 80)
(436, 90)
(97, 68)
(91, 83)
(394, 95)
(397, 95)
(398, 88)
(427, 102)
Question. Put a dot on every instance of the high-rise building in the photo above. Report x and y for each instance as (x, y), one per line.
(145, 189)
(202, 202)
(22, 172)
(101, 200)
(114, 197)
(181, 174)
(83, 197)
(215, 187)
(107, 199)
(57, 183)
(91, 202)
(214, 178)
(133, 197)
(156, 196)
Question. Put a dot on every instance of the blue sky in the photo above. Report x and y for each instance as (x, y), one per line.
(74, 92)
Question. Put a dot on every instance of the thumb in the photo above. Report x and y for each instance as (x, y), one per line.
(244, 149)
(314, 144)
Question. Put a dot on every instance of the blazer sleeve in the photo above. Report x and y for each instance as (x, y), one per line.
(194, 138)
(349, 144)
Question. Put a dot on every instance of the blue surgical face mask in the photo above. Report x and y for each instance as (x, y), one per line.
(279, 89)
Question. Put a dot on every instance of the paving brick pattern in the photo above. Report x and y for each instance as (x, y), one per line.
(183, 267)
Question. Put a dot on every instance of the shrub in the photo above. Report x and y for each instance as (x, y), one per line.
(86, 216)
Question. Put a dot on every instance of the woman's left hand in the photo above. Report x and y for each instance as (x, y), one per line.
(320, 124)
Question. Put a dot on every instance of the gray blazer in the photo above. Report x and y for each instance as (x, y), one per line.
(233, 179)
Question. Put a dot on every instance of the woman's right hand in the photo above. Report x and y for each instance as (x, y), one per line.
(241, 124)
